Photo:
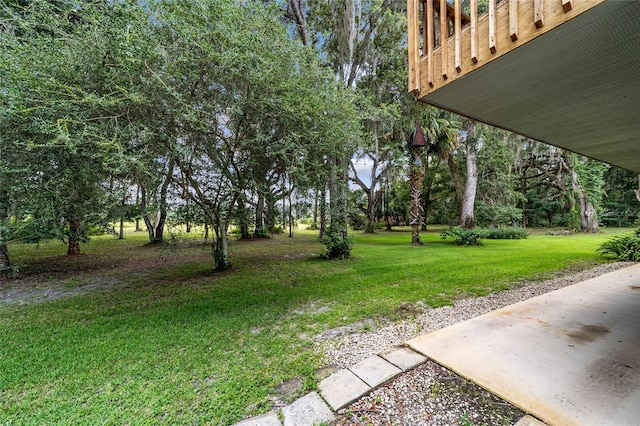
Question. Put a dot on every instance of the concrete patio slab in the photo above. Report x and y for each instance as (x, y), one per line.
(569, 357)
(342, 388)
(307, 411)
(403, 358)
(269, 419)
(375, 371)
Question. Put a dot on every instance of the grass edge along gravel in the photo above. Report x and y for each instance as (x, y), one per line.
(176, 343)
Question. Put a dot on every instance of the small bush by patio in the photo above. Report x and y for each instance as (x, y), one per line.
(624, 247)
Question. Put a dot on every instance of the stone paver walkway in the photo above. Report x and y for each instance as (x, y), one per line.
(340, 389)
(346, 386)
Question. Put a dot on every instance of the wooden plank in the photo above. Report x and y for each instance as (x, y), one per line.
(458, 31)
(513, 19)
(538, 13)
(474, 31)
(492, 26)
(567, 5)
(414, 48)
(430, 29)
(444, 35)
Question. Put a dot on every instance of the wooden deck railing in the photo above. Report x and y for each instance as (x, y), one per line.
(445, 44)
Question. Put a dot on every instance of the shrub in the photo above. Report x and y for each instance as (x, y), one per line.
(623, 247)
(508, 233)
(464, 237)
(276, 229)
(337, 246)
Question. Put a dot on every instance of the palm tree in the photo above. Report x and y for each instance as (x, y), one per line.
(439, 132)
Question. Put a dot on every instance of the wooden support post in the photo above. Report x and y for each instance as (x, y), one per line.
(567, 5)
(414, 45)
(474, 33)
(444, 35)
(430, 29)
(492, 26)
(538, 13)
(458, 32)
(425, 27)
(513, 19)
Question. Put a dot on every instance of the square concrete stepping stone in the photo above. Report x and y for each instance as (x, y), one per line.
(307, 411)
(342, 388)
(403, 358)
(529, 421)
(374, 371)
(269, 419)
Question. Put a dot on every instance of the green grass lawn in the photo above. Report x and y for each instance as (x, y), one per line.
(167, 341)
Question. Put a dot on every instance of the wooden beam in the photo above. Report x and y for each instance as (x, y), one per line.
(414, 45)
(513, 19)
(430, 30)
(492, 26)
(458, 32)
(567, 5)
(444, 35)
(474, 31)
(538, 13)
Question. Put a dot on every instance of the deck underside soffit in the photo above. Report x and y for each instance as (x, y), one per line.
(576, 87)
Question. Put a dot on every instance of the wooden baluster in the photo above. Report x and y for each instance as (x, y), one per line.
(567, 5)
(474, 34)
(513, 19)
(430, 30)
(538, 13)
(492, 26)
(444, 35)
(458, 32)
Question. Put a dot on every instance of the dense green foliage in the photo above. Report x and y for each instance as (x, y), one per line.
(623, 247)
(506, 233)
(162, 339)
(464, 237)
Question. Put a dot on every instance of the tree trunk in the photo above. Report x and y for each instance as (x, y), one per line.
(162, 218)
(323, 212)
(162, 215)
(259, 231)
(145, 216)
(150, 228)
(137, 203)
(221, 249)
(121, 233)
(387, 216)
(270, 213)
(188, 217)
(74, 237)
(588, 215)
(243, 221)
(426, 188)
(415, 209)
(5, 264)
(338, 188)
(315, 209)
(369, 226)
(206, 233)
(290, 215)
(467, 215)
